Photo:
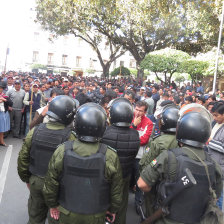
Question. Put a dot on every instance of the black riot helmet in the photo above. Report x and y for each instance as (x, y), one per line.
(90, 122)
(193, 129)
(169, 119)
(62, 108)
(121, 112)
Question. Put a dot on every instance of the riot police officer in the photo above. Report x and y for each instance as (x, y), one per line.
(126, 142)
(170, 167)
(39, 145)
(84, 179)
(166, 140)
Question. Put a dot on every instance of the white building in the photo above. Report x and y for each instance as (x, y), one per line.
(30, 45)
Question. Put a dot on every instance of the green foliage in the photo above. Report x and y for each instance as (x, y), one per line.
(133, 71)
(138, 26)
(165, 62)
(123, 71)
(179, 78)
(195, 68)
(39, 66)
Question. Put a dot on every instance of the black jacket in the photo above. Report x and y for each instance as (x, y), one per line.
(126, 142)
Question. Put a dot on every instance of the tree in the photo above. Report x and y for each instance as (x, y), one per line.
(166, 62)
(38, 66)
(138, 26)
(195, 68)
(120, 71)
(179, 78)
(148, 25)
(66, 17)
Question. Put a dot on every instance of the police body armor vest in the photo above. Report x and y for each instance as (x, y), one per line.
(189, 206)
(44, 142)
(126, 142)
(83, 187)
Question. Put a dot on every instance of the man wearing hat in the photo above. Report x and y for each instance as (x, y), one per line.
(16, 95)
(9, 83)
(31, 105)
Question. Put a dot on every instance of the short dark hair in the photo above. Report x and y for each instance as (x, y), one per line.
(130, 93)
(218, 107)
(148, 93)
(57, 91)
(177, 99)
(103, 87)
(105, 99)
(142, 103)
(189, 98)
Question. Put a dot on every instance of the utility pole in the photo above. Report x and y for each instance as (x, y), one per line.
(218, 50)
(6, 55)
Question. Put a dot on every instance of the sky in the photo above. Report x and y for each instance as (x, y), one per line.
(14, 22)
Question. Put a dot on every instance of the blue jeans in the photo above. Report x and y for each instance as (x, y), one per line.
(28, 121)
(220, 201)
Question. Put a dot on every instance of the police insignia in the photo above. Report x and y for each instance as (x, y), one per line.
(153, 163)
(147, 149)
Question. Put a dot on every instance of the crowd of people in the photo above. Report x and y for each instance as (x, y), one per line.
(20, 107)
(142, 122)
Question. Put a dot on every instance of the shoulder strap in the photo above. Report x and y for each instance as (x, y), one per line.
(102, 148)
(172, 154)
(66, 133)
(68, 145)
(36, 129)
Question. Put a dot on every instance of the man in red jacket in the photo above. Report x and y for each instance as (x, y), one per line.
(144, 127)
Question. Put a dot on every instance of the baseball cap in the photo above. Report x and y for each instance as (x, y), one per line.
(65, 80)
(142, 88)
(17, 82)
(35, 85)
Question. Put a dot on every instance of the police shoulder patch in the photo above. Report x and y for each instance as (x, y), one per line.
(109, 147)
(153, 163)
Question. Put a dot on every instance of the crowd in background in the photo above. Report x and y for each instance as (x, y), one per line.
(17, 88)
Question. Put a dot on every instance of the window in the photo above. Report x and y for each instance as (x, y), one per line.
(35, 56)
(78, 61)
(121, 63)
(50, 58)
(64, 59)
(132, 63)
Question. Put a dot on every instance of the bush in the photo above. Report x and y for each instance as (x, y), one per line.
(123, 70)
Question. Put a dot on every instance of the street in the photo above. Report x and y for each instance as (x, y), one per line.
(14, 193)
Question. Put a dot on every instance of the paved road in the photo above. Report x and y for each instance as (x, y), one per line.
(14, 193)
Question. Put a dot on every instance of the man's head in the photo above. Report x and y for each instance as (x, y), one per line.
(35, 88)
(218, 112)
(188, 100)
(165, 96)
(17, 85)
(140, 109)
(109, 85)
(27, 87)
(142, 91)
(130, 95)
(155, 88)
(10, 80)
(148, 94)
(102, 90)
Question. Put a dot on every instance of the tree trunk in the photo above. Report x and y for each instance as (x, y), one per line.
(106, 69)
(140, 71)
